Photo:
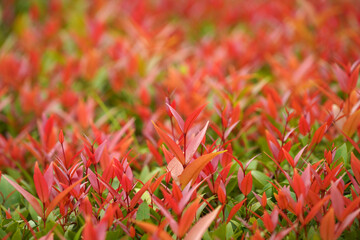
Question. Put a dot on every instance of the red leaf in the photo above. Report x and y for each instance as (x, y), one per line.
(40, 185)
(171, 144)
(314, 210)
(61, 195)
(191, 119)
(318, 135)
(298, 185)
(303, 126)
(235, 209)
(288, 157)
(138, 195)
(246, 184)
(267, 222)
(61, 137)
(347, 221)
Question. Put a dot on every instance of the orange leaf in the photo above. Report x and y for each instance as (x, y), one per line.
(327, 226)
(352, 123)
(152, 229)
(355, 166)
(187, 218)
(192, 171)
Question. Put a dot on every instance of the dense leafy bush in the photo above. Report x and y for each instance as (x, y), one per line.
(179, 119)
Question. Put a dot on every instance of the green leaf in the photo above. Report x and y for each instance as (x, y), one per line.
(342, 152)
(6, 189)
(260, 179)
(220, 232)
(17, 235)
(143, 212)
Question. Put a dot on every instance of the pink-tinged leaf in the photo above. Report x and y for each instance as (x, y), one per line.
(192, 171)
(40, 185)
(153, 229)
(49, 176)
(111, 190)
(282, 233)
(235, 209)
(198, 230)
(228, 131)
(49, 236)
(178, 118)
(298, 155)
(342, 78)
(240, 177)
(347, 221)
(99, 151)
(187, 193)
(194, 143)
(171, 144)
(282, 170)
(30, 198)
(248, 162)
(191, 119)
(327, 226)
(92, 232)
(275, 216)
(173, 224)
(337, 201)
(93, 181)
(61, 195)
(175, 168)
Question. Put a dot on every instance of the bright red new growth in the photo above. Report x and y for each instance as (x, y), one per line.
(185, 119)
